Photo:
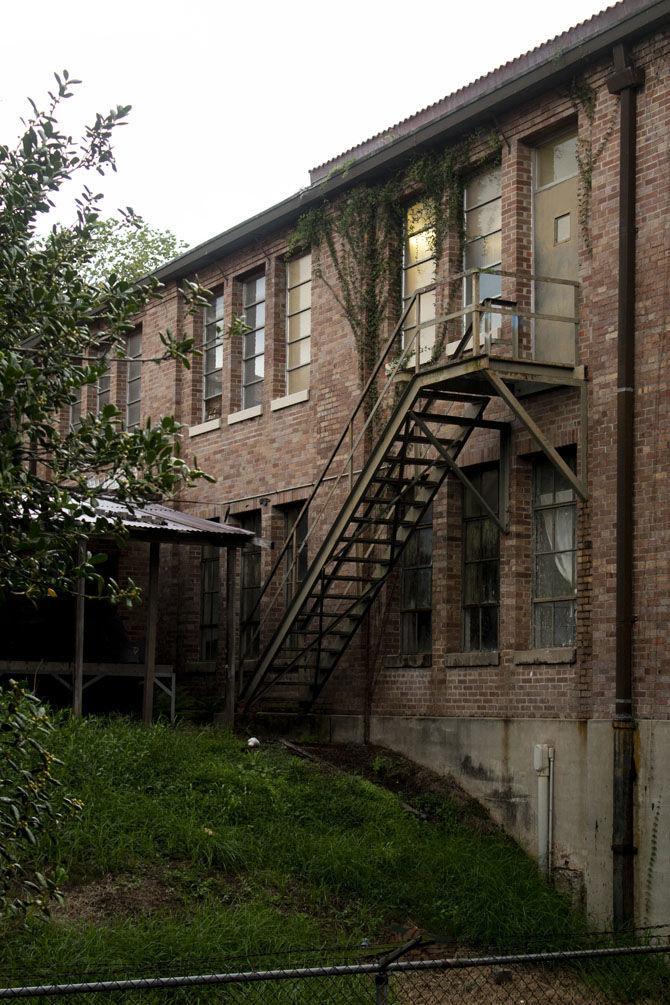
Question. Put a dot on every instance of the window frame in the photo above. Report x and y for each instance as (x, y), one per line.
(539, 465)
(424, 523)
(103, 385)
(134, 379)
(491, 323)
(214, 345)
(405, 297)
(293, 314)
(468, 519)
(251, 580)
(246, 385)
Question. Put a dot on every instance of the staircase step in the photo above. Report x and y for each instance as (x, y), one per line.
(414, 438)
(365, 540)
(348, 579)
(385, 521)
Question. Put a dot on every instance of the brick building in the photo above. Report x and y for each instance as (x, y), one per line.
(455, 583)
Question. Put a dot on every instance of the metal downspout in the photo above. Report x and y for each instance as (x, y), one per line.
(624, 81)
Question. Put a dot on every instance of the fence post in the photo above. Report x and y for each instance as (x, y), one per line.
(382, 988)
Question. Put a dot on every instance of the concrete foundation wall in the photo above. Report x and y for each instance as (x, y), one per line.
(493, 760)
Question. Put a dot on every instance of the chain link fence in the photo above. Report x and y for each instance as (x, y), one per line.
(407, 976)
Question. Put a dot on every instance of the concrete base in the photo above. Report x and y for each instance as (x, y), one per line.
(493, 760)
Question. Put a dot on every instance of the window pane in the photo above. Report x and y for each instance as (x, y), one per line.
(489, 286)
(417, 218)
(544, 531)
(423, 631)
(409, 589)
(565, 528)
(252, 395)
(484, 220)
(419, 247)
(298, 353)
(407, 633)
(489, 577)
(543, 625)
(253, 290)
(133, 417)
(299, 270)
(472, 587)
(544, 484)
(299, 326)
(254, 343)
(253, 369)
(563, 489)
(298, 380)
(564, 623)
(424, 546)
(300, 298)
(489, 628)
(482, 188)
(255, 316)
(418, 276)
(557, 160)
(489, 487)
(473, 539)
(426, 306)
(424, 593)
(489, 539)
(134, 372)
(484, 252)
(554, 575)
(213, 384)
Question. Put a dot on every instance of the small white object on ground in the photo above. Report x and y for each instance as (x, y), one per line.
(253, 741)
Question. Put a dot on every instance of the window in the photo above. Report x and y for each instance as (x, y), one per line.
(103, 390)
(250, 586)
(482, 209)
(212, 350)
(554, 571)
(209, 601)
(134, 380)
(74, 418)
(299, 571)
(556, 160)
(253, 342)
(481, 564)
(298, 323)
(418, 270)
(416, 588)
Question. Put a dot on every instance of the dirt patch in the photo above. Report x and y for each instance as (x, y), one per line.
(424, 791)
(127, 895)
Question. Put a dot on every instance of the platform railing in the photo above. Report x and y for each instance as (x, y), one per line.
(400, 356)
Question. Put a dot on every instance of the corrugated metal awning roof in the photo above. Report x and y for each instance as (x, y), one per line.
(161, 523)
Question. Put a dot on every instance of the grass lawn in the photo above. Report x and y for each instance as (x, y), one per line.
(192, 851)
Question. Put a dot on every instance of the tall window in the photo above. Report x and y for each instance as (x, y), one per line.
(209, 601)
(253, 343)
(416, 588)
(76, 405)
(298, 323)
(418, 271)
(250, 585)
(212, 349)
(103, 389)
(134, 380)
(554, 572)
(482, 213)
(299, 571)
(481, 564)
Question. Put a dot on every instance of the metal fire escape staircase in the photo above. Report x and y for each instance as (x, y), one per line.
(411, 445)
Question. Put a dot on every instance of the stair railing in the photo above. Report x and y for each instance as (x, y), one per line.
(472, 335)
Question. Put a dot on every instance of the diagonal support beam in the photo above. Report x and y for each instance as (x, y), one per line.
(460, 474)
(543, 443)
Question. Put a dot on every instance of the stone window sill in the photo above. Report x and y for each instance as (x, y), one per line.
(289, 399)
(484, 658)
(246, 413)
(204, 427)
(408, 662)
(533, 657)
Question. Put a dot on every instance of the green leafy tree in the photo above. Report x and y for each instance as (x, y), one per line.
(55, 301)
(130, 248)
(32, 804)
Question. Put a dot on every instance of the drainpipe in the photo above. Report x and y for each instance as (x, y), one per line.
(624, 81)
(543, 757)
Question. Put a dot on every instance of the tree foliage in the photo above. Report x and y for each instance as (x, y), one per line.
(62, 326)
(130, 248)
(32, 803)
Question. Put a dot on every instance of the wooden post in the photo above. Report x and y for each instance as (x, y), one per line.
(231, 634)
(152, 629)
(78, 674)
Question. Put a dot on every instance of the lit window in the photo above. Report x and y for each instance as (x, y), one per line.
(212, 349)
(419, 271)
(134, 381)
(482, 208)
(556, 160)
(298, 323)
(481, 564)
(250, 585)
(416, 588)
(554, 572)
(253, 342)
(209, 601)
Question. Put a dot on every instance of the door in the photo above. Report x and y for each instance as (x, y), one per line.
(555, 246)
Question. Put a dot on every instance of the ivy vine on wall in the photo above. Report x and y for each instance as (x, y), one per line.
(361, 233)
(584, 98)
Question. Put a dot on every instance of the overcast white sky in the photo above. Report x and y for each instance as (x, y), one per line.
(234, 102)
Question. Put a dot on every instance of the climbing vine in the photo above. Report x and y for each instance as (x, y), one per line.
(584, 98)
(361, 231)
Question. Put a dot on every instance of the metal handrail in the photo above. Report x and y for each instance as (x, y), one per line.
(475, 310)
